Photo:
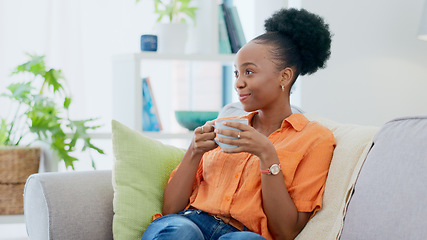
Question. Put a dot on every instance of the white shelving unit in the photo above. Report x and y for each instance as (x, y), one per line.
(179, 57)
(128, 68)
(127, 84)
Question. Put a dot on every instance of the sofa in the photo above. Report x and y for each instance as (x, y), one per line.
(383, 198)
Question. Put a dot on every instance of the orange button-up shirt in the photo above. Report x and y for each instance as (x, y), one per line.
(230, 184)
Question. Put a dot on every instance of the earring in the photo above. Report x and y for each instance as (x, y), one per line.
(283, 88)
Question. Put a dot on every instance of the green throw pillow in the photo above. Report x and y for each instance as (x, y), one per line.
(141, 170)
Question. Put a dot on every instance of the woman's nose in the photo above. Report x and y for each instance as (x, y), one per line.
(239, 83)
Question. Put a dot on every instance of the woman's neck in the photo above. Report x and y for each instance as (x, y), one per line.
(266, 122)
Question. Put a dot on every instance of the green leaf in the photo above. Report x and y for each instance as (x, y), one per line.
(174, 9)
(184, 4)
(63, 151)
(81, 129)
(52, 78)
(44, 117)
(20, 91)
(191, 12)
(67, 102)
(93, 163)
(159, 18)
(35, 65)
(4, 136)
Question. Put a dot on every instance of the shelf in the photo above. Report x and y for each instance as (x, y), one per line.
(127, 83)
(154, 135)
(161, 135)
(179, 57)
(9, 219)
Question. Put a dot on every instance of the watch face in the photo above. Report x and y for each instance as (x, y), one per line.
(275, 169)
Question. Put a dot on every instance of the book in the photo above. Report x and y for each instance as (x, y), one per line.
(232, 34)
(227, 84)
(238, 26)
(150, 116)
(224, 46)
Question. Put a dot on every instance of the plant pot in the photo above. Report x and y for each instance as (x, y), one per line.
(16, 165)
(172, 38)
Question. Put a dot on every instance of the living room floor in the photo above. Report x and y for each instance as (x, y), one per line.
(13, 231)
(12, 227)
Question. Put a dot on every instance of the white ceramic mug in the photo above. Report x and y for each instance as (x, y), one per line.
(219, 125)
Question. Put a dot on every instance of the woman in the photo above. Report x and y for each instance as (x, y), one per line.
(272, 183)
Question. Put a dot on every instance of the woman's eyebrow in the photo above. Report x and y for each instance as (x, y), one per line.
(246, 64)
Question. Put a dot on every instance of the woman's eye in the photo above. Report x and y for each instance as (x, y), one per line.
(236, 74)
(248, 72)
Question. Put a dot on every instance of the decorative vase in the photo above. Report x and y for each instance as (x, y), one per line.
(16, 165)
(172, 38)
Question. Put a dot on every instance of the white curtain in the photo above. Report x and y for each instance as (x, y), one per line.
(80, 37)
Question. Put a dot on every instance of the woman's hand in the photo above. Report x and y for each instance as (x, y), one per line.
(285, 222)
(203, 139)
(248, 140)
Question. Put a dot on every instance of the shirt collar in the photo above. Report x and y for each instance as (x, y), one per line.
(297, 120)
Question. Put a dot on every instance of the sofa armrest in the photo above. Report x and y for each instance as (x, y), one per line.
(390, 193)
(69, 205)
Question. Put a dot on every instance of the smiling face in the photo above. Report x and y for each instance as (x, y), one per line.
(258, 81)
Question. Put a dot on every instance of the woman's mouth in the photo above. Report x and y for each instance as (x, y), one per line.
(243, 97)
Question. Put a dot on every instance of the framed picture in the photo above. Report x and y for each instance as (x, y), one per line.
(150, 115)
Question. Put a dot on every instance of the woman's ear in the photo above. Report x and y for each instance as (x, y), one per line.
(287, 77)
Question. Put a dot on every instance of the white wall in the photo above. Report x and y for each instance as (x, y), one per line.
(378, 68)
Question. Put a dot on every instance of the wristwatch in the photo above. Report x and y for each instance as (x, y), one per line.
(272, 170)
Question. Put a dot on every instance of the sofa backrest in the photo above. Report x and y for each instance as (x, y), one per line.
(236, 109)
(391, 191)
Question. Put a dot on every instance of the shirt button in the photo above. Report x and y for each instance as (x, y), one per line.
(236, 176)
(227, 198)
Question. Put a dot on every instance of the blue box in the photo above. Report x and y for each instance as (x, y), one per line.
(149, 43)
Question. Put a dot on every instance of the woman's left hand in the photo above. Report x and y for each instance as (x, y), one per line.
(248, 139)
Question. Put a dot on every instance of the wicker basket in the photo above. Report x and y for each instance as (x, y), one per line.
(16, 165)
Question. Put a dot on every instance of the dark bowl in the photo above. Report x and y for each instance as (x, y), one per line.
(193, 119)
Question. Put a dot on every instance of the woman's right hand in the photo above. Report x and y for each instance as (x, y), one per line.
(203, 139)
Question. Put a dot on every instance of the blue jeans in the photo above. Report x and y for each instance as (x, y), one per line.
(195, 224)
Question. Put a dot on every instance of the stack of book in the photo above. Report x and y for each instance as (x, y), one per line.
(231, 35)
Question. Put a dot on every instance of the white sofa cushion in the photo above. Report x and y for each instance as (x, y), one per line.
(353, 144)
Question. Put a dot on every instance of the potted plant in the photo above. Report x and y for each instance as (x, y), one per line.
(172, 28)
(37, 116)
(174, 10)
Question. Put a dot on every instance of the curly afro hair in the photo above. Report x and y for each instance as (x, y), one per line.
(299, 38)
